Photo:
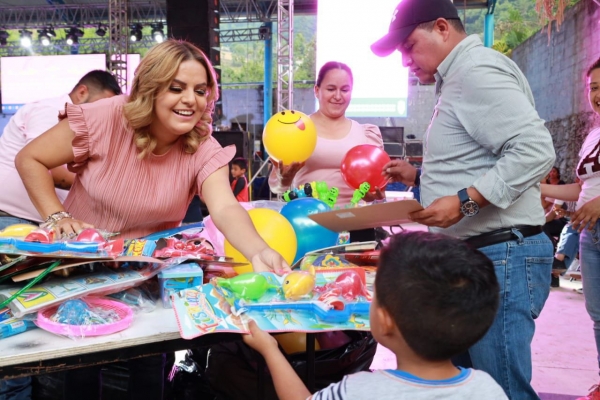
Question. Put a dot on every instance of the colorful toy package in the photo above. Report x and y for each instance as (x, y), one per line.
(90, 243)
(301, 301)
(177, 278)
(102, 280)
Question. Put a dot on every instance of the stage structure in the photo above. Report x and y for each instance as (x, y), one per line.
(117, 41)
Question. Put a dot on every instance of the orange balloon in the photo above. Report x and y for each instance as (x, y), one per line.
(294, 342)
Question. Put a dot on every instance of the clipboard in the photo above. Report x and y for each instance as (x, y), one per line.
(371, 216)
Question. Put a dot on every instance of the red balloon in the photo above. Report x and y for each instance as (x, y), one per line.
(364, 163)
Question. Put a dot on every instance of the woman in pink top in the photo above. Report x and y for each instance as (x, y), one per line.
(140, 159)
(336, 134)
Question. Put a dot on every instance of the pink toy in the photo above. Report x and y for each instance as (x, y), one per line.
(40, 235)
(124, 311)
(196, 248)
(348, 285)
(90, 235)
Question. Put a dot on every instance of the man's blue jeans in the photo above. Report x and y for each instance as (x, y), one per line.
(589, 258)
(523, 269)
(18, 388)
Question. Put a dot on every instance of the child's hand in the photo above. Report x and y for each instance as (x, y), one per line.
(259, 340)
(268, 260)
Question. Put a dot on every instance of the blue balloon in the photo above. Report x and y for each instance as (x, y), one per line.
(311, 236)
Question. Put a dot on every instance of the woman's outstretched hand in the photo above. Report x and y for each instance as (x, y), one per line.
(268, 260)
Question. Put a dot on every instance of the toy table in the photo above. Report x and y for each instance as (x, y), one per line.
(38, 352)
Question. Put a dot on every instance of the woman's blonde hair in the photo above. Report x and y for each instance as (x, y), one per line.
(156, 71)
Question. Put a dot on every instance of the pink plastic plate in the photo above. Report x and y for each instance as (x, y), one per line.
(123, 311)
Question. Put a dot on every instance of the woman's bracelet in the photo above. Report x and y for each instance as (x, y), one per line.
(54, 218)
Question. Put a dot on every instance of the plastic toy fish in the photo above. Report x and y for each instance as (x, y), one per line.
(351, 286)
(298, 284)
(248, 286)
(17, 230)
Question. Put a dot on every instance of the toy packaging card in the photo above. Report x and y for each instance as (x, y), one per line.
(62, 249)
(101, 280)
(301, 301)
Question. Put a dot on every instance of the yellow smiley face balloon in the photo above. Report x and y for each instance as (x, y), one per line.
(290, 136)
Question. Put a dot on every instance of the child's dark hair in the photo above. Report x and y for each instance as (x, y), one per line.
(240, 162)
(442, 294)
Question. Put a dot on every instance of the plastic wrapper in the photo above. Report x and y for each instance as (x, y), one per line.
(138, 298)
(90, 243)
(100, 281)
(91, 316)
(332, 299)
(14, 326)
(216, 237)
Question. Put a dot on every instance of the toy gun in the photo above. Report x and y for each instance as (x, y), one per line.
(323, 311)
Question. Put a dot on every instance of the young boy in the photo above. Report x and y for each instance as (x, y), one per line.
(434, 298)
(239, 185)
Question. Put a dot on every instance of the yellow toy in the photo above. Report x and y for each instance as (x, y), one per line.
(298, 284)
(17, 230)
(275, 229)
(290, 136)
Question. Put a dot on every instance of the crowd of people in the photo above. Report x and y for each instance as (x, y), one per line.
(457, 305)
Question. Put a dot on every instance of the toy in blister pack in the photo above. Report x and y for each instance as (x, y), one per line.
(349, 285)
(249, 286)
(198, 312)
(90, 243)
(298, 284)
(331, 295)
(177, 278)
(192, 247)
(15, 326)
(139, 298)
(216, 308)
(92, 316)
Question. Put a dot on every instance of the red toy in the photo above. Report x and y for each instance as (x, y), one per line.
(90, 235)
(40, 235)
(348, 285)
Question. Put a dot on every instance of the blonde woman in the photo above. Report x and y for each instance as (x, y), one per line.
(138, 161)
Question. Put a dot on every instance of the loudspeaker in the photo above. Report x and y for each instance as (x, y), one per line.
(237, 138)
(197, 22)
(414, 148)
(392, 134)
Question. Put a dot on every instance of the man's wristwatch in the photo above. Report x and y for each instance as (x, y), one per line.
(468, 206)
